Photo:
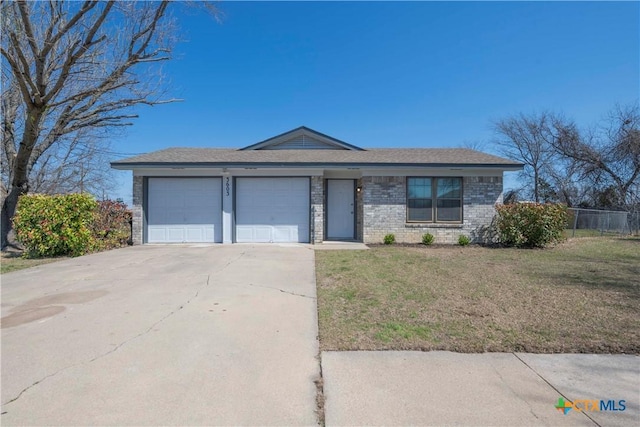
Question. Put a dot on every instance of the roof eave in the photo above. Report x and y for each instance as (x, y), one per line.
(253, 165)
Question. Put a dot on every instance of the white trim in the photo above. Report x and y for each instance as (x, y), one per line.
(277, 172)
(218, 172)
(465, 172)
(169, 172)
(227, 208)
(347, 173)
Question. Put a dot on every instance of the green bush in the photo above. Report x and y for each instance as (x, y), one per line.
(427, 239)
(55, 225)
(463, 240)
(389, 239)
(530, 224)
(111, 225)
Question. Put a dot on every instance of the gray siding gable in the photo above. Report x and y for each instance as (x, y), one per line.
(302, 138)
(302, 142)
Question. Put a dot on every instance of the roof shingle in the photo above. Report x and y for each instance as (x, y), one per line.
(219, 157)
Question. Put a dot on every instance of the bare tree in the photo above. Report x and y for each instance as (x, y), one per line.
(70, 72)
(475, 144)
(71, 165)
(75, 166)
(564, 177)
(527, 139)
(608, 155)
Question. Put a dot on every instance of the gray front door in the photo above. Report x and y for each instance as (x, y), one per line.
(340, 209)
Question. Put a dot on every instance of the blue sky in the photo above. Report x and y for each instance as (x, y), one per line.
(387, 74)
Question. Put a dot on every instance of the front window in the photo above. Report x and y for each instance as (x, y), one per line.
(434, 199)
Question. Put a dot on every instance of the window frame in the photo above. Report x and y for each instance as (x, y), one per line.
(434, 200)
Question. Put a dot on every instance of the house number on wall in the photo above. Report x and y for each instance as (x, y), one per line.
(227, 186)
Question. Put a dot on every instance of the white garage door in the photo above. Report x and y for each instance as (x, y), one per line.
(184, 210)
(272, 210)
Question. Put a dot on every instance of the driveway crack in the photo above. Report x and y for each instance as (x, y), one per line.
(231, 262)
(150, 328)
(282, 290)
(118, 346)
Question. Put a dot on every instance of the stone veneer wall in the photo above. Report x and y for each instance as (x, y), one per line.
(384, 203)
(317, 209)
(136, 210)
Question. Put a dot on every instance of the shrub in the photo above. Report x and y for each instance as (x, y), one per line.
(389, 239)
(530, 224)
(111, 225)
(463, 240)
(55, 225)
(427, 239)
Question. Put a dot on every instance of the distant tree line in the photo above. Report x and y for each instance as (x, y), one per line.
(591, 167)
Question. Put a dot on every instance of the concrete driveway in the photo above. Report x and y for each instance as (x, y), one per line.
(162, 335)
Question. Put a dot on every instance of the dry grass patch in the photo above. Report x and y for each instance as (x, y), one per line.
(12, 261)
(580, 296)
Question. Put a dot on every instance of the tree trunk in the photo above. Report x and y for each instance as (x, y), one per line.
(20, 182)
(8, 210)
(536, 194)
(21, 167)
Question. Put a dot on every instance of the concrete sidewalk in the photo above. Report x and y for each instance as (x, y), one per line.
(443, 388)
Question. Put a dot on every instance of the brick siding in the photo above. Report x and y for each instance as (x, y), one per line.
(317, 209)
(384, 206)
(136, 210)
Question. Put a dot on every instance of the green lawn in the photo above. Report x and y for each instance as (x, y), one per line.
(580, 296)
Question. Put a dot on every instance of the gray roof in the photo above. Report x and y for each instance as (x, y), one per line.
(386, 157)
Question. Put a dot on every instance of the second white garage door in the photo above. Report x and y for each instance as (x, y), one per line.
(272, 210)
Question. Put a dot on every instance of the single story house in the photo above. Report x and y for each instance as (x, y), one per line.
(305, 186)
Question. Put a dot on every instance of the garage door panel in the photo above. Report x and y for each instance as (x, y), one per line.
(157, 235)
(243, 234)
(175, 234)
(254, 234)
(199, 234)
(272, 210)
(285, 234)
(184, 210)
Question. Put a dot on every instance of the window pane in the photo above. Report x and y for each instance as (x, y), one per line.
(449, 188)
(416, 192)
(449, 210)
(419, 199)
(420, 203)
(419, 210)
(419, 188)
(416, 214)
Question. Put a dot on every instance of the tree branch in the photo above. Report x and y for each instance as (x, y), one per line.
(72, 57)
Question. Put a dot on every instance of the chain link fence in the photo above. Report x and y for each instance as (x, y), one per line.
(634, 223)
(594, 222)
